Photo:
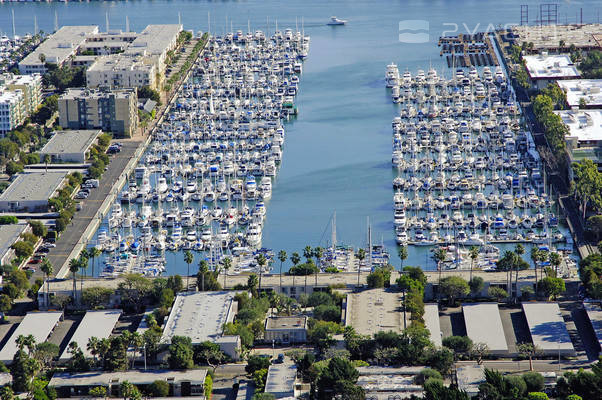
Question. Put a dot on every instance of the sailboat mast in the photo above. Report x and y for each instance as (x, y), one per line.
(333, 237)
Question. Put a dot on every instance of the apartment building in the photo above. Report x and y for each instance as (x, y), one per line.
(29, 85)
(12, 110)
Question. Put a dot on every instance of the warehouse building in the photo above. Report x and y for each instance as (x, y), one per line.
(69, 146)
(38, 324)
(548, 331)
(9, 234)
(30, 191)
(113, 111)
(97, 324)
(484, 325)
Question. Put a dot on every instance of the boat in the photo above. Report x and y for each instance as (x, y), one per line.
(336, 21)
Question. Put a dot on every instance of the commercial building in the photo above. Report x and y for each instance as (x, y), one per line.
(12, 110)
(544, 69)
(38, 324)
(594, 314)
(29, 85)
(583, 93)
(201, 317)
(286, 329)
(69, 146)
(281, 380)
(387, 383)
(110, 110)
(97, 324)
(584, 140)
(9, 234)
(181, 383)
(432, 322)
(548, 37)
(123, 71)
(548, 331)
(30, 191)
(375, 310)
(57, 48)
(484, 325)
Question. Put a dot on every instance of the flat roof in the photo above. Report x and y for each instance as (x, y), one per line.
(594, 313)
(584, 125)
(95, 323)
(547, 327)
(154, 39)
(281, 380)
(484, 325)
(120, 62)
(38, 324)
(469, 377)
(589, 90)
(549, 36)
(389, 382)
(69, 142)
(33, 186)
(293, 322)
(137, 377)
(9, 235)
(77, 93)
(60, 45)
(199, 315)
(374, 310)
(432, 323)
(555, 66)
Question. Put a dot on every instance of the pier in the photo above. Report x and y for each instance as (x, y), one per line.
(468, 50)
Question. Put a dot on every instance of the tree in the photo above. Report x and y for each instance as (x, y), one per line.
(203, 270)
(555, 260)
(252, 283)
(74, 266)
(459, 344)
(551, 286)
(528, 350)
(6, 393)
(402, 253)
(476, 285)
(441, 359)
(129, 391)
(426, 374)
(326, 312)
(534, 380)
(282, 258)
(188, 259)
(6, 303)
(255, 363)
(537, 396)
(497, 293)
(479, 351)
(454, 287)
(22, 249)
(474, 254)
(375, 279)
(338, 371)
(588, 182)
(440, 255)
(45, 353)
(259, 378)
(77, 362)
(47, 269)
(361, 254)
(209, 353)
(38, 228)
(261, 262)
(180, 353)
(94, 254)
(226, 264)
(23, 370)
(158, 388)
(98, 391)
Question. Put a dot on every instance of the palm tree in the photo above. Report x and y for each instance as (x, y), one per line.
(535, 258)
(402, 252)
(203, 269)
(440, 255)
(361, 254)
(227, 263)
(46, 161)
(555, 261)
(282, 258)
(188, 259)
(318, 253)
(47, 269)
(308, 253)
(519, 250)
(474, 254)
(94, 254)
(74, 265)
(295, 259)
(261, 261)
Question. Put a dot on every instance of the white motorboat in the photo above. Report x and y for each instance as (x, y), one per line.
(336, 21)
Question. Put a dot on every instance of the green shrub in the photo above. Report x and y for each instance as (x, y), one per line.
(426, 374)
(538, 396)
(158, 389)
(534, 380)
(8, 220)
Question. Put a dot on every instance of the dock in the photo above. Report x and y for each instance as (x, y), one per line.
(468, 50)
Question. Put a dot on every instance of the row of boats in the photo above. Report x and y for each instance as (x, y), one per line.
(467, 174)
(203, 182)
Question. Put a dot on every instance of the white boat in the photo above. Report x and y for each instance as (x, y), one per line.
(336, 21)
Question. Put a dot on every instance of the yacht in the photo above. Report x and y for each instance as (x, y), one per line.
(336, 21)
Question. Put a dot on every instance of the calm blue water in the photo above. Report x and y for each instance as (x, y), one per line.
(338, 152)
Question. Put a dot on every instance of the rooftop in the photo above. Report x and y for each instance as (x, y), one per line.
(33, 186)
(13, 79)
(76, 93)
(154, 39)
(549, 36)
(10, 96)
(469, 377)
(484, 325)
(69, 142)
(374, 310)
(281, 380)
(594, 313)
(548, 331)
(556, 66)
(120, 62)
(38, 324)
(590, 90)
(294, 322)
(389, 382)
(9, 235)
(137, 377)
(432, 323)
(60, 45)
(97, 324)
(199, 315)
(584, 125)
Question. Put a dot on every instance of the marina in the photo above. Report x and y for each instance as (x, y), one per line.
(468, 173)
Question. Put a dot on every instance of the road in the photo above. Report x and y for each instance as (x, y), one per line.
(538, 365)
(90, 207)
